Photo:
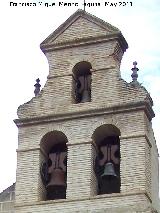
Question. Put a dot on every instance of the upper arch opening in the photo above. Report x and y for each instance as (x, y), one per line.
(82, 82)
(82, 68)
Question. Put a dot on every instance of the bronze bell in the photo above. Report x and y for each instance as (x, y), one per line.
(109, 171)
(56, 188)
(57, 178)
(85, 96)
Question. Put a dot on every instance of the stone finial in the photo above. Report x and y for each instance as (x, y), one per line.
(37, 87)
(84, 3)
(135, 70)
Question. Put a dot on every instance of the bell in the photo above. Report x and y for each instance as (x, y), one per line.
(85, 96)
(109, 171)
(56, 188)
(57, 178)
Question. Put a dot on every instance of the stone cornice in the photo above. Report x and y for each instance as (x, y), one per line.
(86, 41)
(108, 196)
(123, 108)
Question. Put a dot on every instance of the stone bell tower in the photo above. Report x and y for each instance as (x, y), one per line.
(86, 142)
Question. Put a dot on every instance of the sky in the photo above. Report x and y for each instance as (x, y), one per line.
(23, 28)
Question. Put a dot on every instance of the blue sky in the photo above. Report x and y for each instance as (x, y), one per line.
(21, 60)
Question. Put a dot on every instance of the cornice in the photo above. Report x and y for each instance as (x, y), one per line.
(85, 41)
(123, 108)
(96, 197)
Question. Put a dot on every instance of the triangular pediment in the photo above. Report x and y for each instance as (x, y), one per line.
(81, 25)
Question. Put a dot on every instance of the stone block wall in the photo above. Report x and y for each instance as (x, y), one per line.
(62, 61)
(78, 31)
(79, 171)
(28, 169)
(135, 172)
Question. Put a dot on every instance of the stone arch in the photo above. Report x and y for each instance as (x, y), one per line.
(78, 59)
(52, 138)
(104, 131)
(105, 121)
(52, 128)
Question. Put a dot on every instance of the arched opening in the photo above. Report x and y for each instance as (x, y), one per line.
(107, 162)
(82, 82)
(54, 167)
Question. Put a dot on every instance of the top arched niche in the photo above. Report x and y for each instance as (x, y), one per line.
(82, 68)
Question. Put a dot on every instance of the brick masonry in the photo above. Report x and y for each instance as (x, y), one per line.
(113, 101)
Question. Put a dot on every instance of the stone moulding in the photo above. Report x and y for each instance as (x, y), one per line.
(143, 105)
(84, 199)
(85, 41)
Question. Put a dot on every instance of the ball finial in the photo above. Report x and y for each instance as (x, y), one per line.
(135, 63)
